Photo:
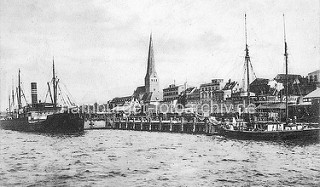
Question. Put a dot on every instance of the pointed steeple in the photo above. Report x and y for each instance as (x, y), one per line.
(151, 78)
(151, 71)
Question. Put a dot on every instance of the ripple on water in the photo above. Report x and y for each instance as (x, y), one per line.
(131, 158)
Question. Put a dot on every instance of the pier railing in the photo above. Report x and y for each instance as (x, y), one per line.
(158, 124)
(177, 125)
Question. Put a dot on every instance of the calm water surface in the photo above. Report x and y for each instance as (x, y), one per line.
(131, 158)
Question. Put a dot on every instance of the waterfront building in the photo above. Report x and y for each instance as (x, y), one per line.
(190, 97)
(230, 88)
(297, 85)
(119, 101)
(315, 95)
(309, 109)
(314, 77)
(173, 92)
(211, 91)
(260, 86)
(193, 96)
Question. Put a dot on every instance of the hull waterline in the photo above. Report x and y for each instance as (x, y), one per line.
(273, 135)
(56, 123)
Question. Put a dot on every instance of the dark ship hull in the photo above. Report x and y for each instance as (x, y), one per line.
(56, 123)
(313, 133)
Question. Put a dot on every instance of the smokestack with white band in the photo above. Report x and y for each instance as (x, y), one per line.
(34, 95)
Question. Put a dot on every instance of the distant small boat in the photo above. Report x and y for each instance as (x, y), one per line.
(41, 117)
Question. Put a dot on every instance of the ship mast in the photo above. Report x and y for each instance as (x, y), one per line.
(247, 61)
(286, 60)
(54, 86)
(12, 94)
(19, 91)
(9, 103)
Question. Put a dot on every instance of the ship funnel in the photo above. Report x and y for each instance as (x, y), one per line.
(34, 96)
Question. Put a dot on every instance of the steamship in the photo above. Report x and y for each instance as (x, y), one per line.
(40, 116)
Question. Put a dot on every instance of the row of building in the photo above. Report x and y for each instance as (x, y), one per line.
(218, 90)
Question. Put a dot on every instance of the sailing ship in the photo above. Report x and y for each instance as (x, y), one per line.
(269, 130)
(41, 116)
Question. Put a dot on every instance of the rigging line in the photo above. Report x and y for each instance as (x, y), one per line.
(62, 96)
(233, 71)
(254, 74)
(68, 99)
(71, 103)
(49, 91)
(62, 99)
(72, 98)
(45, 99)
(24, 96)
(68, 92)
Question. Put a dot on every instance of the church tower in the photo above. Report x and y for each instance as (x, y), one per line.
(151, 79)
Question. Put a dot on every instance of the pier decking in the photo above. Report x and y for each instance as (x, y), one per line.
(143, 124)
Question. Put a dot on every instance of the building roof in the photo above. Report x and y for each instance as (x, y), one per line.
(173, 86)
(291, 78)
(196, 91)
(314, 94)
(260, 81)
(139, 90)
(121, 99)
(210, 84)
(141, 95)
(147, 97)
(190, 90)
(272, 106)
(230, 85)
(314, 72)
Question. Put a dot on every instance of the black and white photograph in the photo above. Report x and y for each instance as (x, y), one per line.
(168, 93)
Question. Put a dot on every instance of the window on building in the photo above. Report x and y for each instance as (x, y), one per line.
(311, 78)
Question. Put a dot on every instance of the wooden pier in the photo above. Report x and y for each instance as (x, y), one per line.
(180, 125)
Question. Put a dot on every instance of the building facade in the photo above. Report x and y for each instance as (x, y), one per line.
(314, 77)
(230, 88)
(260, 86)
(193, 96)
(297, 85)
(172, 92)
(211, 91)
(119, 101)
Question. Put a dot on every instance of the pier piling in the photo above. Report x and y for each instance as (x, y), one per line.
(178, 125)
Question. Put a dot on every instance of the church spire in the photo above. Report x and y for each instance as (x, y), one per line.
(151, 71)
(151, 79)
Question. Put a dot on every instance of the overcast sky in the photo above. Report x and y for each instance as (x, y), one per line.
(100, 47)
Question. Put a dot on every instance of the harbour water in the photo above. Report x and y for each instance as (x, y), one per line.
(132, 158)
